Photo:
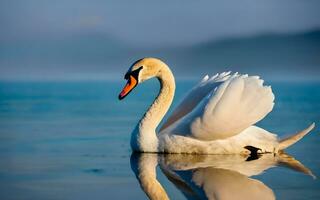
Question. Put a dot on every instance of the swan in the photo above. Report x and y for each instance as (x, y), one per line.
(210, 176)
(216, 116)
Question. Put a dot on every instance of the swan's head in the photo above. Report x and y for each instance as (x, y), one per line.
(140, 71)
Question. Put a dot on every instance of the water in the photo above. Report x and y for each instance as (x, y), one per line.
(70, 140)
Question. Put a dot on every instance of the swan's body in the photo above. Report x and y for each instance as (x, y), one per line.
(216, 117)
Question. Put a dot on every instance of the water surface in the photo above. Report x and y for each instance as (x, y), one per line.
(70, 140)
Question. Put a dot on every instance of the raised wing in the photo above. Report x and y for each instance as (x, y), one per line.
(237, 103)
(194, 96)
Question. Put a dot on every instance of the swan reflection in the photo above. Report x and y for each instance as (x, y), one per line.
(210, 176)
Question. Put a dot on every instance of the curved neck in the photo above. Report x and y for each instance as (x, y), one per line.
(144, 137)
(161, 104)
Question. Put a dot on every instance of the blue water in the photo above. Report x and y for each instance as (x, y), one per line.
(70, 140)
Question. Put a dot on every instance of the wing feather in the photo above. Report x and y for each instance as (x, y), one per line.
(194, 96)
(234, 105)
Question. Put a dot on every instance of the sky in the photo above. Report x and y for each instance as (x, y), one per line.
(35, 32)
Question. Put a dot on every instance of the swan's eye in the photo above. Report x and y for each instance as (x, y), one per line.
(134, 73)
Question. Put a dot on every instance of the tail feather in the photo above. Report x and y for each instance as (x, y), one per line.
(286, 142)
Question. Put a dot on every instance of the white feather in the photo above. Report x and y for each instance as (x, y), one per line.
(232, 106)
(195, 95)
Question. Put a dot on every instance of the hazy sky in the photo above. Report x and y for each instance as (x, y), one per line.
(155, 22)
(137, 24)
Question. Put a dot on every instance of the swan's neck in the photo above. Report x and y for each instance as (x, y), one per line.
(144, 138)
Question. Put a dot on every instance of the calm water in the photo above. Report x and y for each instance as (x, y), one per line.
(70, 140)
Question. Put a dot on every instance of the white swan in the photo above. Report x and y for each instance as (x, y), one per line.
(215, 117)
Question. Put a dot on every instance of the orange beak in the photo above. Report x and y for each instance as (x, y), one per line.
(132, 83)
